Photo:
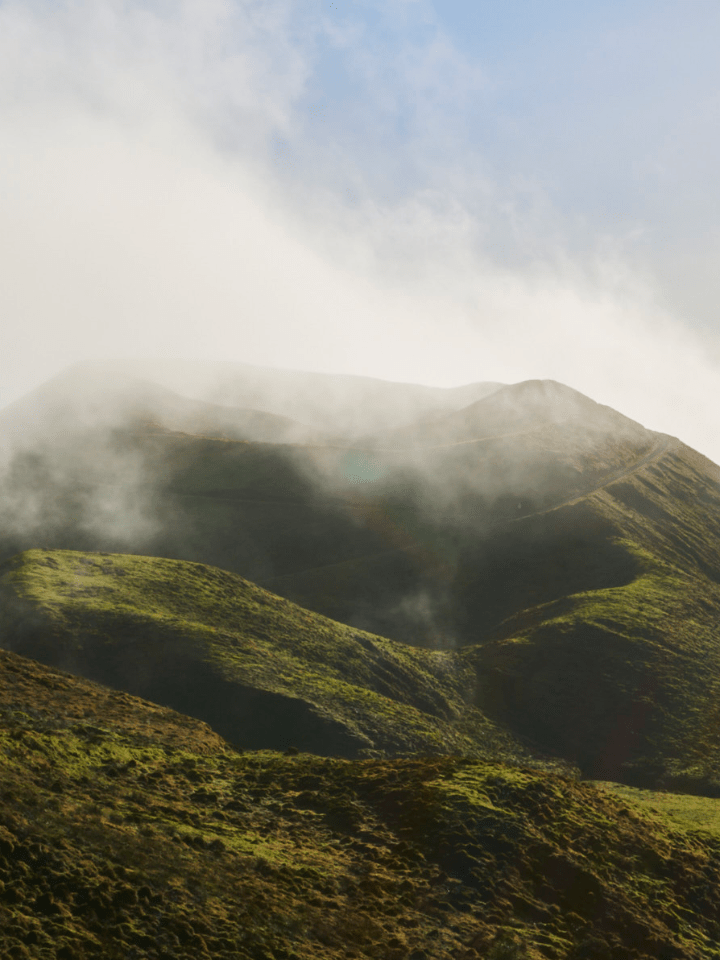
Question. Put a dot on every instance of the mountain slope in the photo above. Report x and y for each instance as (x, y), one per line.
(127, 831)
(258, 669)
(395, 541)
(621, 678)
(446, 515)
(574, 558)
(620, 682)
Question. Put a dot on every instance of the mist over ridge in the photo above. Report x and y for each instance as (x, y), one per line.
(503, 523)
(222, 183)
(341, 404)
(375, 521)
(206, 398)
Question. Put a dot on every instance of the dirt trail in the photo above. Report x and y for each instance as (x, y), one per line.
(661, 447)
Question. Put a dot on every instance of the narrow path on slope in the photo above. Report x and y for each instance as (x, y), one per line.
(661, 447)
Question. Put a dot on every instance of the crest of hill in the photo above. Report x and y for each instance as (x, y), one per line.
(343, 405)
(516, 409)
(88, 398)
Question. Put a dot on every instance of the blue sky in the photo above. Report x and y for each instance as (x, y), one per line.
(598, 119)
(412, 190)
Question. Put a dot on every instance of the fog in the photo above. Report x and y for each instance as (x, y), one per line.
(366, 511)
(200, 181)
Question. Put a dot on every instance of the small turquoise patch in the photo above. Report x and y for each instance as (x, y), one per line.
(359, 467)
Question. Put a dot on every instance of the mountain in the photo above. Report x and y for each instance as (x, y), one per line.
(344, 405)
(372, 535)
(432, 521)
(510, 410)
(128, 831)
(102, 459)
(570, 555)
(450, 614)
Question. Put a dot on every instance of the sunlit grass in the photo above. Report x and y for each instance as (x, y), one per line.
(198, 638)
(679, 809)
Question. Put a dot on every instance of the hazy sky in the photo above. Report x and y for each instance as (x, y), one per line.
(435, 192)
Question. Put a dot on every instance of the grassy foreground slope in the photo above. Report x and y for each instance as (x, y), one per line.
(262, 671)
(621, 682)
(693, 813)
(128, 831)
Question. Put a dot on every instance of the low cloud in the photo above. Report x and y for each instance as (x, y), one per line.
(177, 185)
(88, 491)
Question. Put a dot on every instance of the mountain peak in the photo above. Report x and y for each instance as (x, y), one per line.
(547, 400)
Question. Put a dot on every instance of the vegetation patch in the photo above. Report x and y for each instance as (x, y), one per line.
(262, 671)
(130, 831)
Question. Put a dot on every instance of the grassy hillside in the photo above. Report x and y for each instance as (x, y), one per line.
(620, 682)
(573, 558)
(128, 831)
(695, 814)
(374, 537)
(622, 678)
(262, 671)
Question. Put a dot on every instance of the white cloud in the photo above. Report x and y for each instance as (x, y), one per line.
(147, 211)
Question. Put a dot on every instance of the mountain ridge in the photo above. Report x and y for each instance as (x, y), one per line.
(537, 402)
(516, 611)
(339, 404)
(81, 399)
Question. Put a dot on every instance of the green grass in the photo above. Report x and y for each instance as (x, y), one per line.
(129, 829)
(618, 682)
(622, 680)
(693, 813)
(200, 639)
(586, 592)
